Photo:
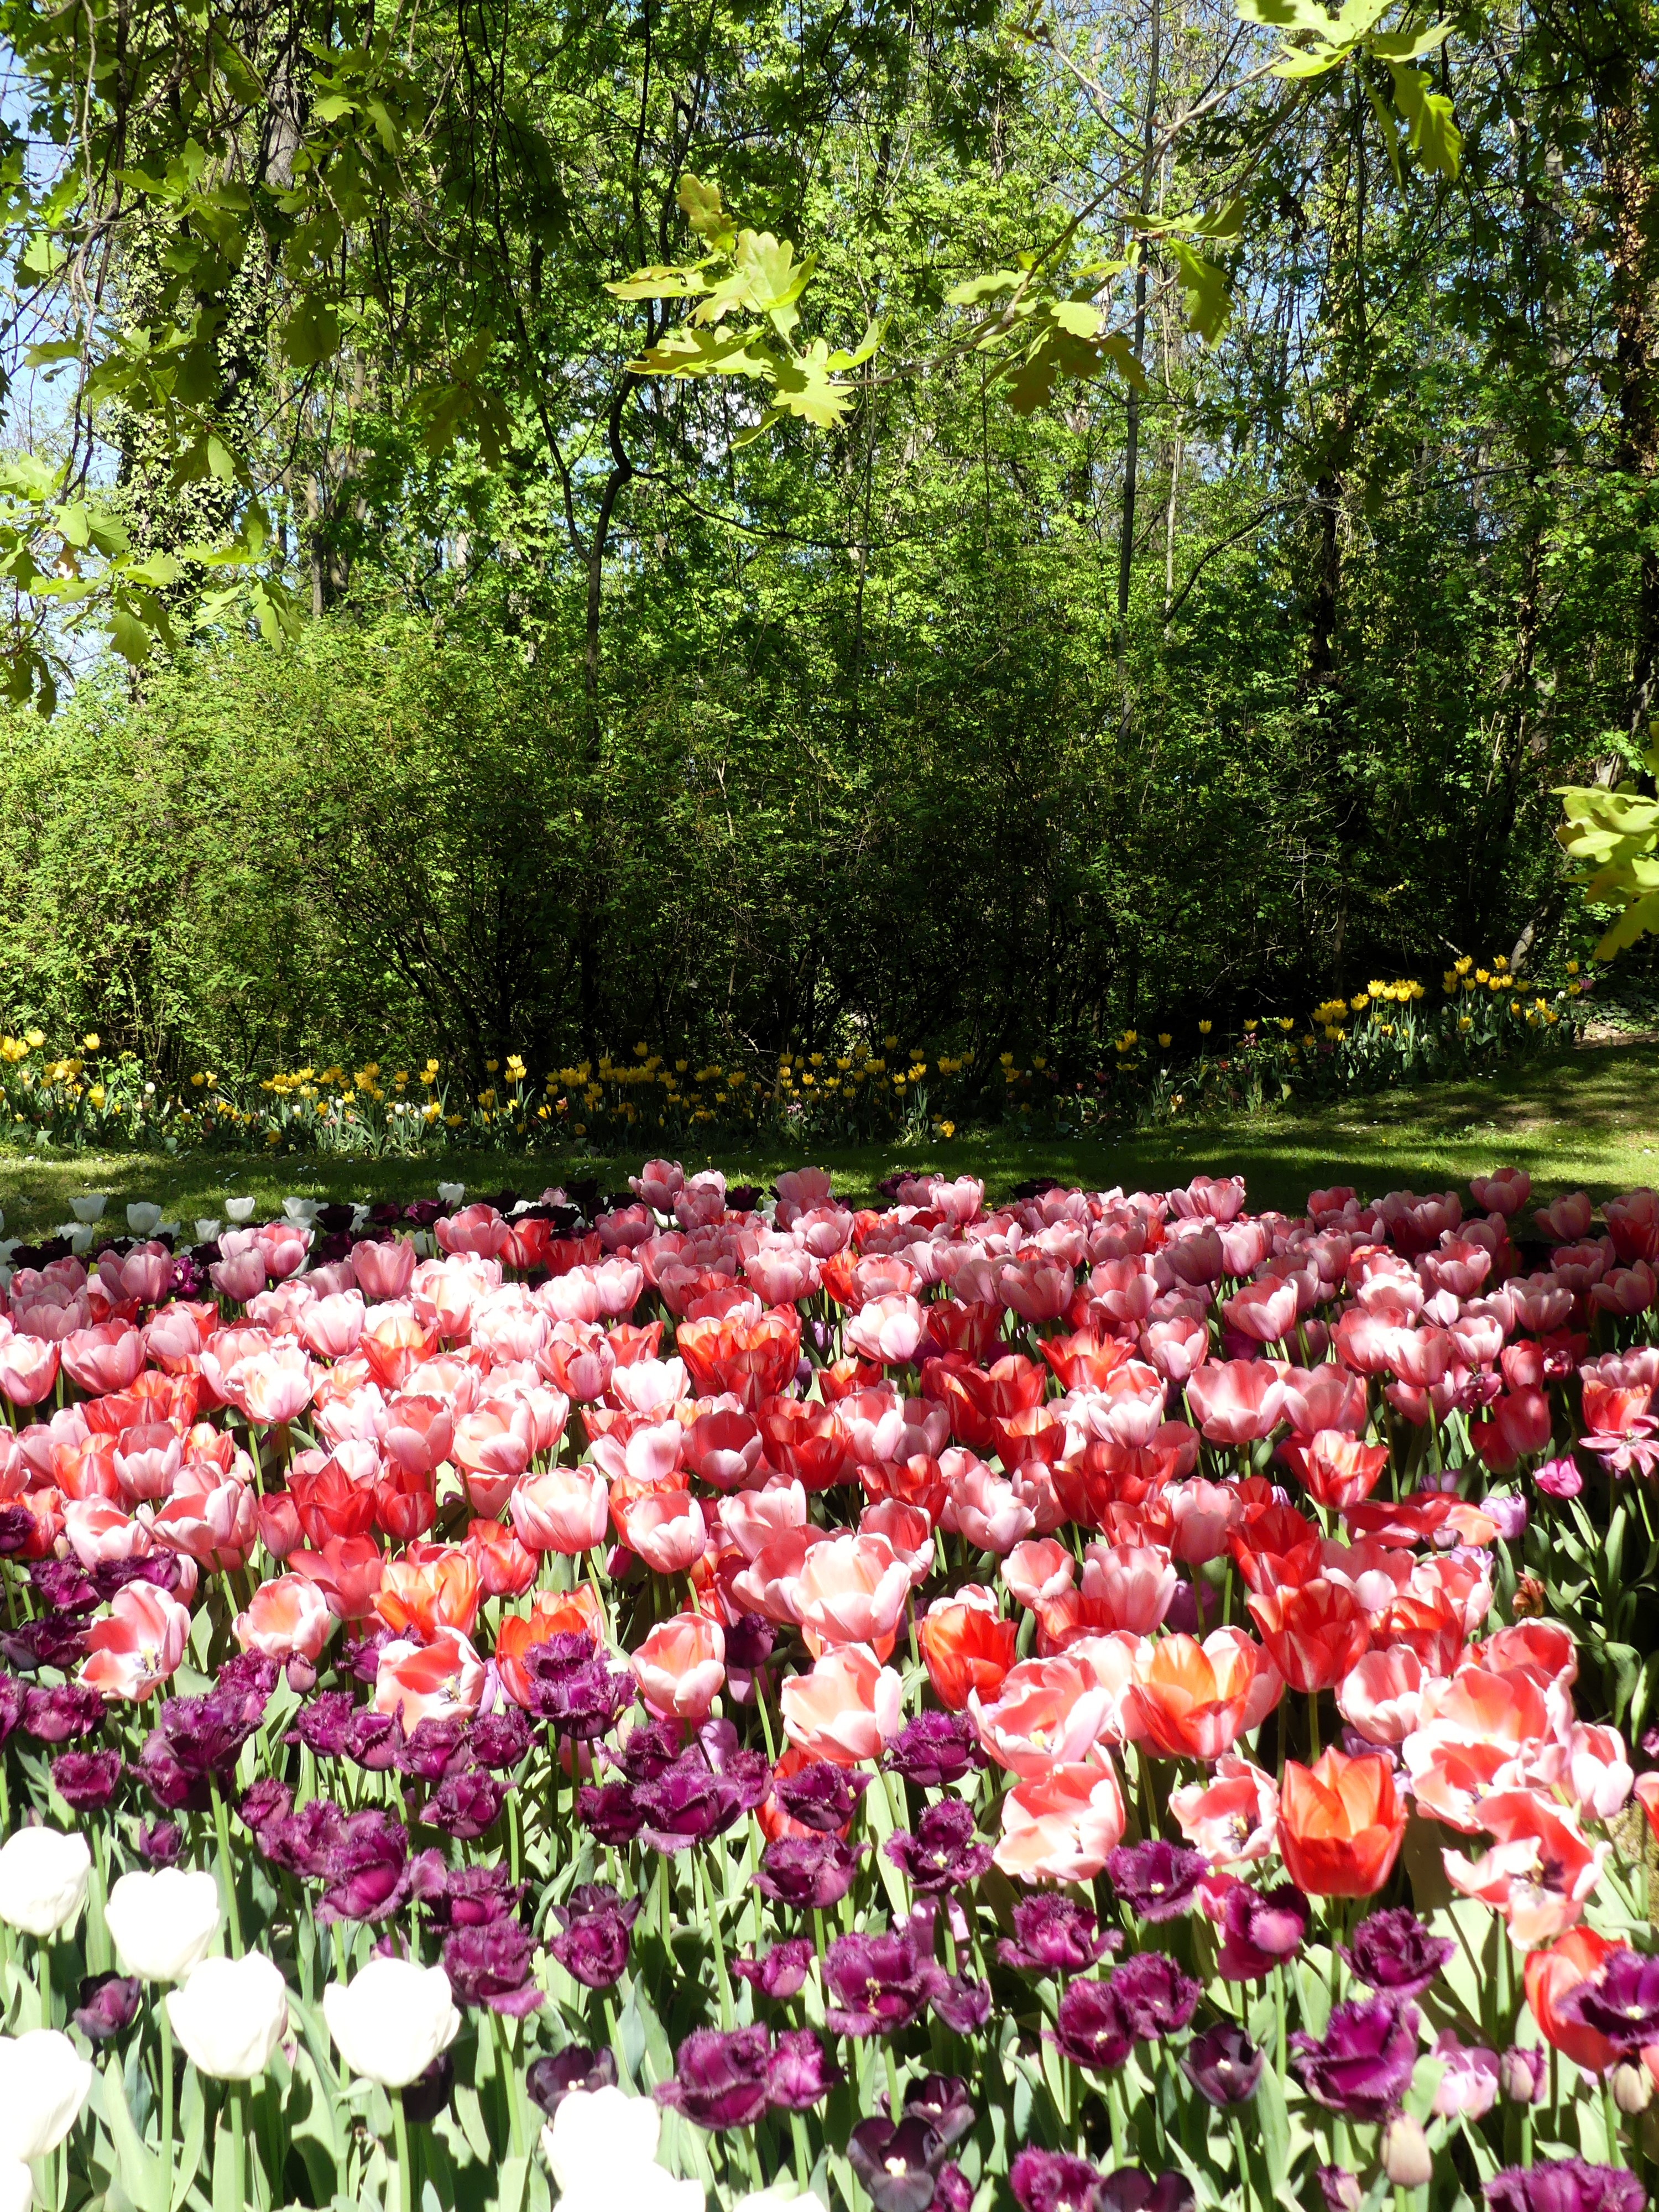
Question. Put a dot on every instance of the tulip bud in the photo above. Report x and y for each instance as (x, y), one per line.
(1521, 2073)
(1406, 2159)
(1633, 2088)
(1339, 2189)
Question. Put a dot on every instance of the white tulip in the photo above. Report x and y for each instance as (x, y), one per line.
(391, 2020)
(89, 1207)
(230, 2015)
(451, 1193)
(240, 1209)
(43, 1880)
(644, 2188)
(77, 1235)
(595, 2132)
(208, 1227)
(16, 2185)
(163, 1922)
(44, 2083)
(302, 1212)
(142, 1218)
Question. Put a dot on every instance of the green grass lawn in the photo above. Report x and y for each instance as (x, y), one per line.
(1589, 1120)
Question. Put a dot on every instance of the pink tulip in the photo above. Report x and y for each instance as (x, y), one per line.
(440, 1680)
(1036, 1573)
(1236, 1400)
(138, 1646)
(1037, 1290)
(273, 1386)
(106, 1357)
(681, 1667)
(28, 1369)
(1505, 1191)
(665, 1528)
(784, 1273)
(1176, 1348)
(1134, 1583)
(851, 1590)
(1231, 1819)
(384, 1272)
(847, 1709)
(99, 1534)
(563, 1509)
(217, 1527)
(331, 1327)
(1206, 1515)
(659, 1182)
(288, 1618)
(1382, 1697)
(148, 1458)
(993, 1514)
(1048, 1712)
(888, 1329)
(1062, 1826)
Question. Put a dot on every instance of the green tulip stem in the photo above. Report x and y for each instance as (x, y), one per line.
(43, 1973)
(398, 2197)
(236, 2104)
(166, 2106)
(227, 1871)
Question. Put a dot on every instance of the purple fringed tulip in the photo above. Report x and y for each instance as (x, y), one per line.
(1053, 2181)
(799, 2074)
(465, 1805)
(1566, 2185)
(1260, 1930)
(551, 2080)
(367, 1869)
(467, 1897)
(1151, 1995)
(1156, 1880)
(325, 1724)
(820, 1796)
(1053, 1935)
(499, 1741)
(1364, 2067)
(962, 2003)
(779, 1972)
(489, 1966)
(934, 1750)
(161, 1842)
(807, 1871)
(301, 1842)
(895, 2161)
(942, 1853)
(87, 1780)
(879, 1983)
(595, 1928)
(610, 1811)
(108, 2006)
(1223, 2064)
(1089, 2029)
(1395, 1954)
(1620, 2000)
(722, 2077)
(62, 1715)
(12, 1694)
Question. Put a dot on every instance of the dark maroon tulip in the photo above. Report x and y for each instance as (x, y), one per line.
(367, 1869)
(490, 1966)
(161, 1570)
(1339, 2189)
(324, 1725)
(467, 1805)
(574, 1690)
(426, 2098)
(942, 2100)
(16, 1530)
(499, 1741)
(799, 2074)
(1053, 1936)
(1223, 2064)
(717, 1743)
(1152, 1997)
(1566, 2185)
(807, 1871)
(952, 2191)
(1157, 1880)
(63, 1715)
(687, 1803)
(246, 1681)
(1395, 1954)
(65, 1585)
(551, 2080)
(935, 1750)
(961, 2003)
(879, 1983)
(1089, 2029)
(264, 1802)
(173, 1788)
(1619, 2000)
(820, 1796)
(649, 1749)
(429, 1753)
(204, 1735)
(1260, 1931)
(161, 1842)
(895, 2161)
(303, 1842)
(53, 1640)
(87, 1780)
(722, 2077)
(611, 1811)
(1052, 2181)
(467, 1897)
(749, 1643)
(361, 1660)
(779, 1972)
(1364, 2066)
(1132, 2189)
(374, 1740)
(12, 1695)
(108, 2006)
(596, 1925)
(942, 1852)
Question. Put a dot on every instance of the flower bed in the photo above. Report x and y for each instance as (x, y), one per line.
(1109, 1702)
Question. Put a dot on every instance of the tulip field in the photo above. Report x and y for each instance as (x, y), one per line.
(1112, 1702)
